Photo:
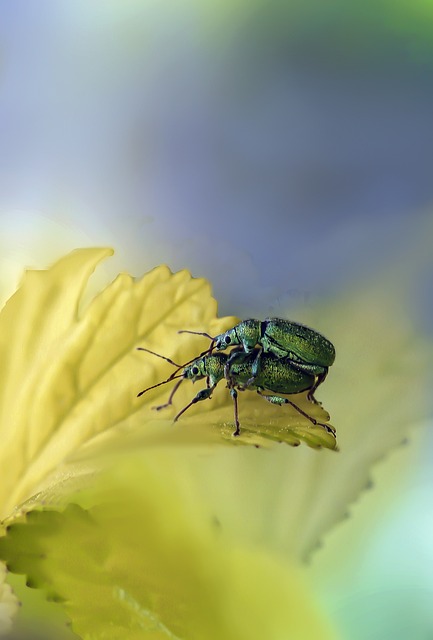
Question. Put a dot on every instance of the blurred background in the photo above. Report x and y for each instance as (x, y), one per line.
(284, 150)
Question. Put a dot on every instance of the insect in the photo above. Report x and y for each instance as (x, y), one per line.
(308, 350)
(273, 374)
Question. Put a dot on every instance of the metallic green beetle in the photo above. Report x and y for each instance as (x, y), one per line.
(307, 349)
(273, 374)
(282, 338)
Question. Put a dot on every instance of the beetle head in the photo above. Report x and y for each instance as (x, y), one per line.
(227, 339)
(196, 370)
(246, 333)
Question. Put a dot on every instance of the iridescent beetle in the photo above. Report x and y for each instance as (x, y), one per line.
(307, 350)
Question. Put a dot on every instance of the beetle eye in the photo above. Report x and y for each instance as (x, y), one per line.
(228, 340)
(195, 370)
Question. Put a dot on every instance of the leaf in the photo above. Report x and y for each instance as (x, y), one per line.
(69, 376)
(76, 415)
(157, 564)
(378, 391)
(263, 424)
(37, 613)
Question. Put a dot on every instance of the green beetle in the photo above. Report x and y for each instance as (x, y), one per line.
(307, 349)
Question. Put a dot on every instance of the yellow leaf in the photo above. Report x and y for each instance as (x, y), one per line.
(138, 556)
(71, 410)
(67, 376)
(70, 375)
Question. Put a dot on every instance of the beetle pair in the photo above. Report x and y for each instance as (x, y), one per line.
(306, 349)
(274, 355)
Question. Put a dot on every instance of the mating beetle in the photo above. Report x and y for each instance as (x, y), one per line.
(283, 339)
(308, 350)
(273, 374)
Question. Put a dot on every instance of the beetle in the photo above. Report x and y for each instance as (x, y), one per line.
(277, 375)
(307, 349)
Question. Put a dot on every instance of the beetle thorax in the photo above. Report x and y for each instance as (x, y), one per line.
(248, 332)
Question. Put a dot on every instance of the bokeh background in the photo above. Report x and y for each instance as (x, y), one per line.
(284, 150)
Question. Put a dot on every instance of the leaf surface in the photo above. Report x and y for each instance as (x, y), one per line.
(157, 564)
(70, 416)
(70, 375)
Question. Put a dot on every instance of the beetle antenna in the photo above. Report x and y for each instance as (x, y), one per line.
(179, 366)
(206, 335)
(197, 333)
(172, 377)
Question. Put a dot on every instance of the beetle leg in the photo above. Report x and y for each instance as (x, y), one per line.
(170, 398)
(274, 399)
(231, 358)
(204, 394)
(319, 379)
(254, 370)
(234, 395)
